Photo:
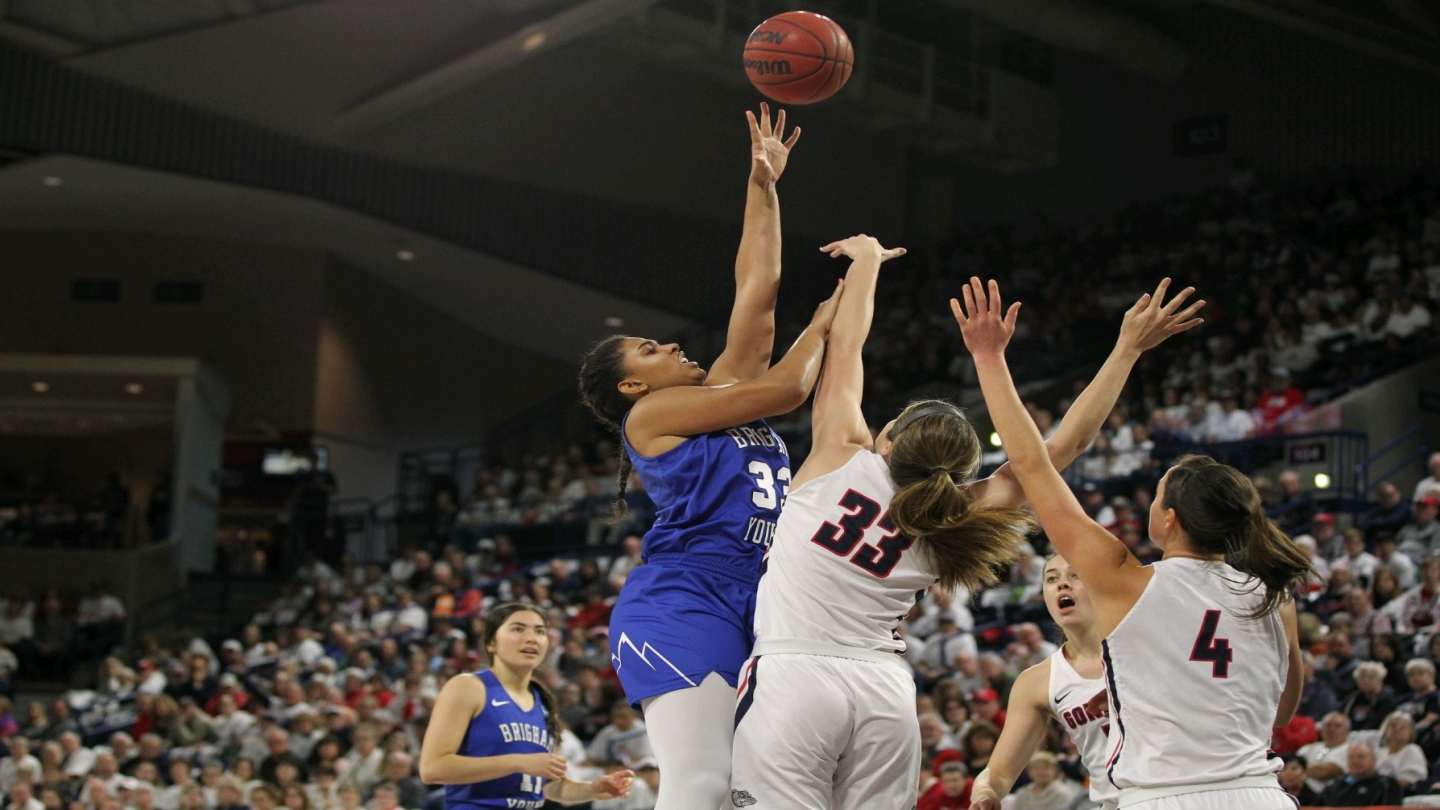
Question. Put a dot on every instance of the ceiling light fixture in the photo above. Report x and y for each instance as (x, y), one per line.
(405, 255)
(614, 321)
(52, 181)
(40, 386)
(134, 388)
(535, 40)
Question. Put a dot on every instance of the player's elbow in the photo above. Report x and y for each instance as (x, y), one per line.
(1029, 465)
(786, 396)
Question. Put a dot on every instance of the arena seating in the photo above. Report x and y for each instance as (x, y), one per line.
(1315, 287)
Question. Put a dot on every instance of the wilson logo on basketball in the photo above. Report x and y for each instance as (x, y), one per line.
(772, 37)
(768, 67)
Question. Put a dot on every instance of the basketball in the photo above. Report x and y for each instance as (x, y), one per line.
(798, 57)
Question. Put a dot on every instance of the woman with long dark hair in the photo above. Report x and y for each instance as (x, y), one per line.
(1201, 649)
(718, 475)
(492, 735)
(1062, 688)
(869, 525)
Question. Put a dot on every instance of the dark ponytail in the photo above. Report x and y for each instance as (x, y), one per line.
(496, 619)
(601, 372)
(934, 451)
(1222, 514)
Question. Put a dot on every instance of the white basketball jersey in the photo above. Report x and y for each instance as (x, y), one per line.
(1194, 686)
(1074, 700)
(839, 574)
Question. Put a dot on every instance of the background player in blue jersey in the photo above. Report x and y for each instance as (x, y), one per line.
(683, 624)
(492, 735)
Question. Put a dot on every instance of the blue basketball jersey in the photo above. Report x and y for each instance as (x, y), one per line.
(717, 495)
(503, 728)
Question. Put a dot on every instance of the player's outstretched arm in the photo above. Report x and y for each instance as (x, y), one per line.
(837, 423)
(460, 701)
(1026, 720)
(610, 786)
(750, 340)
(1295, 676)
(689, 410)
(1146, 325)
(1102, 563)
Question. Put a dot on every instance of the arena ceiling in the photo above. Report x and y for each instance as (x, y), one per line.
(408, 81)
(514, 304)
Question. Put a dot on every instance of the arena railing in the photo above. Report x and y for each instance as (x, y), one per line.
(1338, 459)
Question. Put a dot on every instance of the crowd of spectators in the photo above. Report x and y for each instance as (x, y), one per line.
(1313, 287)
(321, 701)
(42, 639)
(561, 499)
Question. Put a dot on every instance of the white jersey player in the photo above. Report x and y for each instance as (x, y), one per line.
(1201, 659)
(826, 709)
(1068, 687)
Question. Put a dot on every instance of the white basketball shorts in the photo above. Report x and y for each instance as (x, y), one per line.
(817, 732)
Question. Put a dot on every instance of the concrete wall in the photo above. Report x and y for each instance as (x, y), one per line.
(258, 325)
(395, 374)
(1387, 408)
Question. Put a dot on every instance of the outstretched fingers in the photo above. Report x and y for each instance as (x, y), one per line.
(1169, 309)
(1160, 290)
(968, 294)
(765, 128)
(958, 312)
(1011, 315)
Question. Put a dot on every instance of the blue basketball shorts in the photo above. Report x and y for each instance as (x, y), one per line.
(678, 619)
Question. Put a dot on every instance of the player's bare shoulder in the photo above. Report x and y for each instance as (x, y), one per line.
(1032, 688)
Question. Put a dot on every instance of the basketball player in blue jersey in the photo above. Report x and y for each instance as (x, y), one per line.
(492, 735)
(718, 474)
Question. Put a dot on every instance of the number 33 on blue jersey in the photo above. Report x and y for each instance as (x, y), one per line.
(765, 495)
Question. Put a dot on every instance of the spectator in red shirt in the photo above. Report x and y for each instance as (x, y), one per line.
(1300, 732)
(595, 613)
(1279, 399)
(985, 705)
(1124, 516)
(950, 792)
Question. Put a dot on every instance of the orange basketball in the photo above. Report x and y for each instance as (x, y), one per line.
(799, 57)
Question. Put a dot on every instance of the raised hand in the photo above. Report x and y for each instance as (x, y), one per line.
(1151, 320)
(545, 766)
(825, 313)
(985, 329)
(768, 151)
(861, 245)
(612, 785)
